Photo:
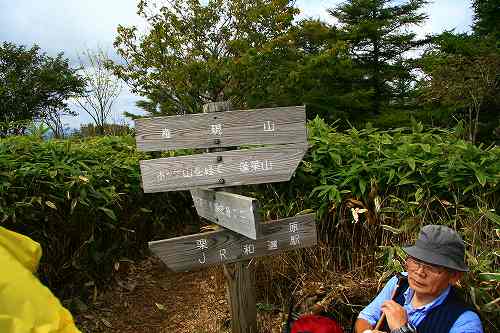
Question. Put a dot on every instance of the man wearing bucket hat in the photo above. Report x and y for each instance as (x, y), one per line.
(424, 300)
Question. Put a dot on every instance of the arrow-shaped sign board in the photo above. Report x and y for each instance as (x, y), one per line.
(222, 129)
(224, 246)
(232, 211)
(228, 168)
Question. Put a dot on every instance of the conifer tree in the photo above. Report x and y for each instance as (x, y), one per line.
(379, 35)
(487, 17)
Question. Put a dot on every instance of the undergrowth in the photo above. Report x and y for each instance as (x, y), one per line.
(372, 190)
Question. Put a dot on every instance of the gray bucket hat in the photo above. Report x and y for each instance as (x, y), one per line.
(439, 245)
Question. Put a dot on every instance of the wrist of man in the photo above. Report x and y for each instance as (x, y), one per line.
(406, 328)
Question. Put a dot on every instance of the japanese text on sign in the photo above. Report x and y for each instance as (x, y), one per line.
(224, 210)
(166, 134)
(293, 229)
(216, 129)
(269, 126)
(209, 170)
(255, 166)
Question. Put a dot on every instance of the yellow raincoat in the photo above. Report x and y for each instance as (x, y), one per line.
(26, 305)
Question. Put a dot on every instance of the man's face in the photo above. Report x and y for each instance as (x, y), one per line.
(429, 280)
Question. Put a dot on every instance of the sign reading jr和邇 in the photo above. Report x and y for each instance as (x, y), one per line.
(224, 246)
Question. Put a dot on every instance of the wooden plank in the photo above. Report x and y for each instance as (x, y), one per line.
(224, 246)
(232, 211)
(228, 168)
(222, 129)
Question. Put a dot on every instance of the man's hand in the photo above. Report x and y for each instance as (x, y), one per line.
(395, 314)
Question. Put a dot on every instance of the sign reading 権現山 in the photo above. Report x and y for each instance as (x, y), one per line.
(252, 147)
(272, 126)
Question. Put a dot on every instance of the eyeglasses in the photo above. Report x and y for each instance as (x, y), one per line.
(412, 264)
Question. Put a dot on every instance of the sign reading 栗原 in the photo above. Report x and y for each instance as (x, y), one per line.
(224, 246)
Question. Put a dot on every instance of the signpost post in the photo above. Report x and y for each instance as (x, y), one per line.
(243, 235)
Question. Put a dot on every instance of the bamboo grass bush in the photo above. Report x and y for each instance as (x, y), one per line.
(373, 190)
(82, 200)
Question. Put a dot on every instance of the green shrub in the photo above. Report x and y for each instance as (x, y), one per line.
(404, 178)
(83, 201)
(374, 189)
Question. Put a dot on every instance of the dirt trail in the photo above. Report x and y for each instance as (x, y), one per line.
(147, 297)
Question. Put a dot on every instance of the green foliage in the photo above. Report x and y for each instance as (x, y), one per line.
(413, 166)
(103, 88)
(373, 189)
(82, 200)
(403, 178)
(33, 86)
(183, 61)
(307, 65)
(486, 14)
(89, 130)
(463, 73)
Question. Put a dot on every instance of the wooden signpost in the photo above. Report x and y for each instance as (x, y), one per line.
(243, 235)
(220, 169)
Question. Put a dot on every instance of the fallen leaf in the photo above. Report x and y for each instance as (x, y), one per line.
(106, 323)
(160, 306)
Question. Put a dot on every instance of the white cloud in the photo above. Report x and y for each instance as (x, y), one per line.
(443, 14)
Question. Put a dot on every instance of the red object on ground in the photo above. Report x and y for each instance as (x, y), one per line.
(316, 324)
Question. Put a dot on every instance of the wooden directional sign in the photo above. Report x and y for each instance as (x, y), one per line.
(228, 168)
(224, 246)
(230, 210)
(222, 129)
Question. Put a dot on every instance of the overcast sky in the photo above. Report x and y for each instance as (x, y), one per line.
(71, 26)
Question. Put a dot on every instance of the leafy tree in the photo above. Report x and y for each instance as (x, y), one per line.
(463, 75)
(183, 60)
(33, 86)
(377, 32)
(103, 88)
